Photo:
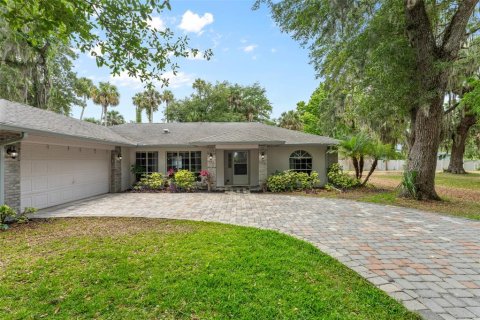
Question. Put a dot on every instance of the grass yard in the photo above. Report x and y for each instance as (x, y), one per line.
(460, 193)
(119, 268)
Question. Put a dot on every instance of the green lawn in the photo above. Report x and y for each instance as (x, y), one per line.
(443, 179)
(158, 269)
(460, 193)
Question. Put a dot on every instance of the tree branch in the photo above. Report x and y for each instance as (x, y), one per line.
(456, 32)
(451, 108)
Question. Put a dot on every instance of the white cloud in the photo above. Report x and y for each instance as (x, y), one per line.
(156, 23)
(96, 51)
(181, 79)
(273, 50)
(124, 80)
(174, 81)
(250, 48)
(192, 22)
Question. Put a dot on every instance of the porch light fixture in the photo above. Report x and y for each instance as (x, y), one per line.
(119, 156)
(12, 152)
(262, 155)
(210, 156)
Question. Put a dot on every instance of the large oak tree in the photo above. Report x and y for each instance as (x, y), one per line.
(430, 34)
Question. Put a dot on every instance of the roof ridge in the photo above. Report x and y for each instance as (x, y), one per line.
(230, 133)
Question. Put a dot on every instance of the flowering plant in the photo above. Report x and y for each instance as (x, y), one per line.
(170, 173)
(204, 173)
(207, 178)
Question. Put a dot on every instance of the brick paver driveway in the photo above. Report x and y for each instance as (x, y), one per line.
(429, 262)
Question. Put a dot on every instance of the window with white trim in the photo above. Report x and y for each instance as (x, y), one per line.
(147, 162)
(185, 160)
(301, 161)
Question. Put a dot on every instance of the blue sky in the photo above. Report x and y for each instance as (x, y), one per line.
(247, 45)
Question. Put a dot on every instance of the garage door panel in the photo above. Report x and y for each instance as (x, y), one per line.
(55, 174)
(39, 183)
(40, 200)
(39, 167)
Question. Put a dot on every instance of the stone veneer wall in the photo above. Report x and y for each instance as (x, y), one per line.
(116, 171)
(11, 171)
(12, 180)
(262, 166)
(212, 165)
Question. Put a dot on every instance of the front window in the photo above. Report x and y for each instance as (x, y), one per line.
(146, 162)
(185, 160)
(301, 161)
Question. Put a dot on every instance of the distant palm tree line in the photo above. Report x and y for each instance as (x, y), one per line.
(248, 101)
(107, 95)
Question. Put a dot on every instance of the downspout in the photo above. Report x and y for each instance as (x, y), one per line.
(2, 163)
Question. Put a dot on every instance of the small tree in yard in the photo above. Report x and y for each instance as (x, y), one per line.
(356, 148)
(360, 147)
(378, 151)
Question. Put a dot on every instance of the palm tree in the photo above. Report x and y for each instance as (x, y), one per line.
(83, 89)
(151, 100)
(290, 120)
(167, 97)
(105, 95)
(114, 118)
(377, 151)
(356, 148)
(138, 102)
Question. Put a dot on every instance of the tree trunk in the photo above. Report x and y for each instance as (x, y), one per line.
(83, 108)
(166, 111)
(105, 116)
(150, 116)
(458, 147)
(422, 156)
(360, 167)
(138, 115)
(355, 165)
(431, 75)
(370, 172)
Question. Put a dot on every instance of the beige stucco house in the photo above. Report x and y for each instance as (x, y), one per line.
(48, 159)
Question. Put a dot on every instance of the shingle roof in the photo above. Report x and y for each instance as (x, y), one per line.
(21, 117)
(188, 133)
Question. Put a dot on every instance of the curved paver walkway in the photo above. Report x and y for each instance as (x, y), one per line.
(429, 262)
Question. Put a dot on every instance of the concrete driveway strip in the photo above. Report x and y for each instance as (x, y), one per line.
(429, 262)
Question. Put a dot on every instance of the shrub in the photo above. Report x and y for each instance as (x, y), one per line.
(151, 182)
(290, 180)
(184, 180)
(22, 217)
(339, 179)
(7, 212)
(409, 184)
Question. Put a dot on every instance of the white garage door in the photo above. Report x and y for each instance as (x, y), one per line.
(52, 175)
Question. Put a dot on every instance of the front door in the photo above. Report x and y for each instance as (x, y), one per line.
(240, 168)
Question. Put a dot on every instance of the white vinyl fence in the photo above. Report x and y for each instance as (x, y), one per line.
(397, 165)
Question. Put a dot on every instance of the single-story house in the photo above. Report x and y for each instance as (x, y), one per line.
(48, 159)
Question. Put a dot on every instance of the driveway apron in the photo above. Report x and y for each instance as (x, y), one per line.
(429, 262)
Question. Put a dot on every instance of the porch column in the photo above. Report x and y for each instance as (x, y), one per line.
(116, 170)
(262, 166)
(212, 165)
(11, 179)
